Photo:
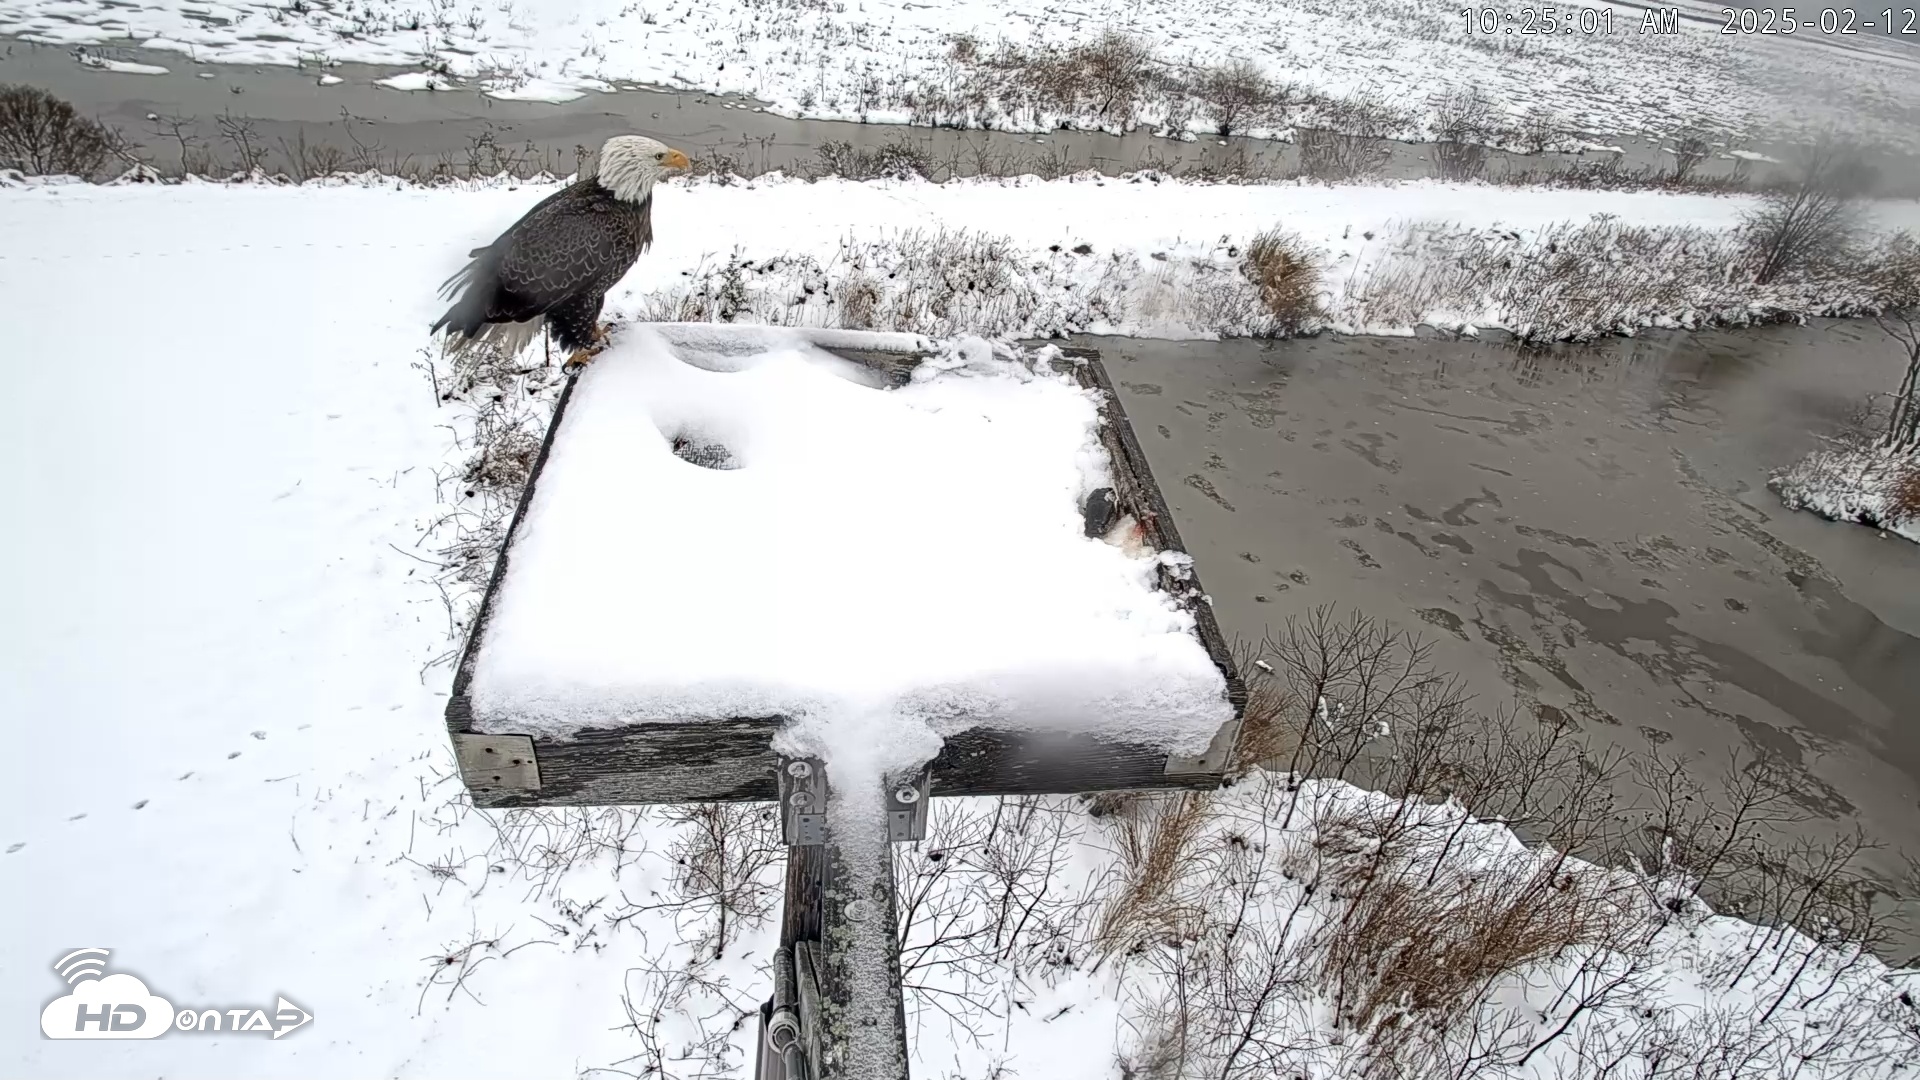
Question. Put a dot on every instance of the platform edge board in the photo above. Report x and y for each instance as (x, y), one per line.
(727, 760)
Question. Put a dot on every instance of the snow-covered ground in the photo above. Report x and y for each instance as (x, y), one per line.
(862, 60)
(220, 637)
(1134, 256)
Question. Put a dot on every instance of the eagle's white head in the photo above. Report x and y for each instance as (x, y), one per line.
(629, 164)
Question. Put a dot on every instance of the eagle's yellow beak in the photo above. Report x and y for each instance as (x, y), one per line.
(675, 160)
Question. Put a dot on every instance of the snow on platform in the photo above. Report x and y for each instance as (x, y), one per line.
(844, 548)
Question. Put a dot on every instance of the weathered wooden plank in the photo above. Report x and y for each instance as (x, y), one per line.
(733, 759)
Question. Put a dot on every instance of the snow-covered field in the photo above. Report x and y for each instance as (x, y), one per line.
(864, 60)
(220, 635)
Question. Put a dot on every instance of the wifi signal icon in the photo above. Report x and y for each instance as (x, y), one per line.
(81, 965)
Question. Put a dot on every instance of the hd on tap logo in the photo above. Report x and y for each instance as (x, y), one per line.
(119, 1006)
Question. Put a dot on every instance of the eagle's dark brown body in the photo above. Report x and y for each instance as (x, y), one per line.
(556, 263)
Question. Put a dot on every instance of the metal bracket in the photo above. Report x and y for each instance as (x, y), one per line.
(497, 762)
(1213, 760)
(802, 784)
(907, 806)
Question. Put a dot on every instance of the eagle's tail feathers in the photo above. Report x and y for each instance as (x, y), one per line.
(504, 339)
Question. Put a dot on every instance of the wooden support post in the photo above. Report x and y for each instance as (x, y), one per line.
(863, 1031)
(839, 929)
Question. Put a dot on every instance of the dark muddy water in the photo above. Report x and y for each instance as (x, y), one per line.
(285, 103)
(1585, 531)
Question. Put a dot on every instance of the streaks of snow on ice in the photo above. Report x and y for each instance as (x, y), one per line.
(415, 80)
(915, 551)
(121, 67)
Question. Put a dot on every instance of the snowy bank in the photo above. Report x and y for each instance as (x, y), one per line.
(895, 60)
(1859, 484)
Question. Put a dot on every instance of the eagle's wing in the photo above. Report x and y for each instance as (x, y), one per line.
(568, 250)
(560, 248)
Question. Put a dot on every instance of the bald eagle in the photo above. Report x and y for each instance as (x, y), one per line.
(557, 263)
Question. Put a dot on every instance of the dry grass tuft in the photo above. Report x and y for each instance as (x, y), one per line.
(1427, 928)
(1284, 269)
(1903, 495)
(504, 464)
(1154, 839)
(1265, 737)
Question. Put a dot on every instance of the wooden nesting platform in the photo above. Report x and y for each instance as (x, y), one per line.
(732, 759)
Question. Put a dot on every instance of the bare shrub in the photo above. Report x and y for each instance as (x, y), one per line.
(309, 161)
(1689, 834)
(1351, 680)
(1812, 220)
(1338, 155)
(1895, 276)
(1345, 143)
(986, 893)
(249, 147)
(42, 135)
(1463, 120)
(1284, 269)
(1110, 73)
(720, 863)
(1690, 148)
(1237, 94)
(1539, 131)
(1108, 78)
(899, 159)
